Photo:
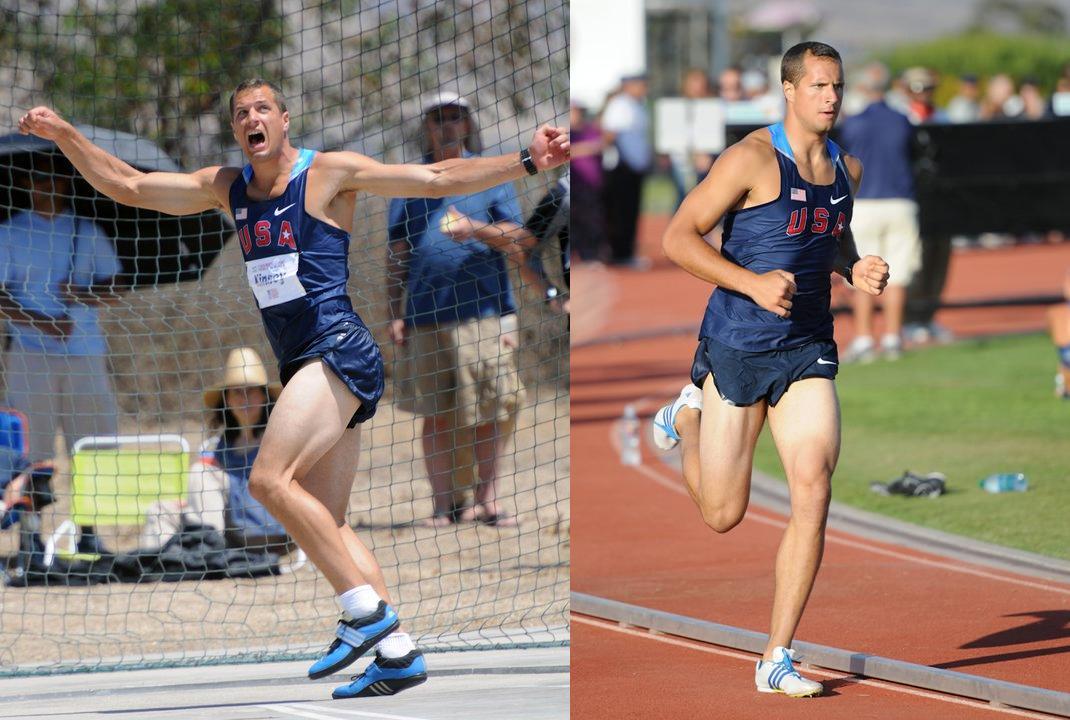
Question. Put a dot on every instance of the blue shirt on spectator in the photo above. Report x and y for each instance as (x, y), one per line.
(881, 138)
(247, 514)
(37, 256)
(451, 281)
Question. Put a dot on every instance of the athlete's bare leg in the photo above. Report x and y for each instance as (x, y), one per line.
(330, 481)
(717, 448)
(806, 428)
(309, 419)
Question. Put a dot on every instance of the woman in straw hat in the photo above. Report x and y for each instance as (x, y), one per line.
(238, 407)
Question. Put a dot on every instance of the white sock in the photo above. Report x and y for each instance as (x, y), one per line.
(395, 645)
(360, 601)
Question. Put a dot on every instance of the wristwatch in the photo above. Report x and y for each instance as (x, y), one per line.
(529, 163)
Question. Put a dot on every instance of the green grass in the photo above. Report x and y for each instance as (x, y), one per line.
(659, 195)
(967, 410)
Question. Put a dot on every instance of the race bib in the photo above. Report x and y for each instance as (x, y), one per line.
(274, 279)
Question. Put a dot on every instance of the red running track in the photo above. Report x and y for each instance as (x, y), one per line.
(638, 539)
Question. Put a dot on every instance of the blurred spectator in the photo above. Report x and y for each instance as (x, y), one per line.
(965, 107)
(920, 85)
(1000, 102)
(689, 168)
(898, 97)
(218, 493)
(1060, 99)
(549, 220)
(768, 106)
(57, 269)
(588, 216)
(730, 84)
(457, 331)
(927, 286)
(885, 221)
(626, 127)
(1059, 327)
(1034, 107)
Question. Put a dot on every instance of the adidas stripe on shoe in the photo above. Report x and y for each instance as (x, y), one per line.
(780, 676)
(385, 676)
(664, 424)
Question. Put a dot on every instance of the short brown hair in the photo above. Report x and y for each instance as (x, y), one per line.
(792, 67)
(252, 84)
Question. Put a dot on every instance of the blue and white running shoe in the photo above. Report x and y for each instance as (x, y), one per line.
(385, 676)
(780, 676)
(354, 637)
(665, 435)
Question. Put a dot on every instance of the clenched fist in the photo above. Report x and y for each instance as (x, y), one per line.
(773, 291)
(43, 122)
(550, 147)
(870, 274)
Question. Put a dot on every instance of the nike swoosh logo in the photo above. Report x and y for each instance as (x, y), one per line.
(280, 211)
(839, 199)
(823, 361)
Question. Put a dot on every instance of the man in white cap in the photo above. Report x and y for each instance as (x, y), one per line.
(457, 326)
(294, 208)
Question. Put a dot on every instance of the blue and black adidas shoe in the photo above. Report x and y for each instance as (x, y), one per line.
(354, 637)
(385, 676)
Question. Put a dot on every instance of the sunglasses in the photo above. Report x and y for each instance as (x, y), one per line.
(448, 114)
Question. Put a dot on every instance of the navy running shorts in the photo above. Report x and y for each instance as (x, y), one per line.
(351, 352)
(744, 378)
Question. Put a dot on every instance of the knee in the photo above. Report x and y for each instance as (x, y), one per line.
(722, 519)
(266, 487)
(810, 498)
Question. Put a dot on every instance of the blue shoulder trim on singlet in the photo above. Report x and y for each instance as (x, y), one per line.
(304, 160)
(780, 142)
(780, 139)
(834, 151)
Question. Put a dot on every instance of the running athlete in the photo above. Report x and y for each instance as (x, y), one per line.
(294, 210)
(765, 348)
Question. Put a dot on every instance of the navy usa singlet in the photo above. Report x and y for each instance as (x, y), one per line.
(297, 267)
(798, 232)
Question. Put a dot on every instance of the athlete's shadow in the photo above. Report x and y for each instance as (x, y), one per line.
(1050, 625)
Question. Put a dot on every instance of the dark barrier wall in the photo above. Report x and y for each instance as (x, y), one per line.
(1009, 177)
(972, 178)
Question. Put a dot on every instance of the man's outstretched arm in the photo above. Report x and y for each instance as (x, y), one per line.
(171, 193)
(549, 148)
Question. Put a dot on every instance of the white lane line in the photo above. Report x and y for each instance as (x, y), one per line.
(365, 713)
(287, 710)
(677, 486)
(693, 645)
(308, 712)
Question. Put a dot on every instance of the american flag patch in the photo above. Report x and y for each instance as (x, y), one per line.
(796, 194)
(242, 213)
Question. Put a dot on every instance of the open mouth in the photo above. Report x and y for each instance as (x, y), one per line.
(257, 140)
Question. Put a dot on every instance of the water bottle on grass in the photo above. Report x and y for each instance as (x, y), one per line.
(1005, 482)
(630, 453)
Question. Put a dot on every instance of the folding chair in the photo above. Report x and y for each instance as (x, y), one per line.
(14, 430)
(114, 480)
